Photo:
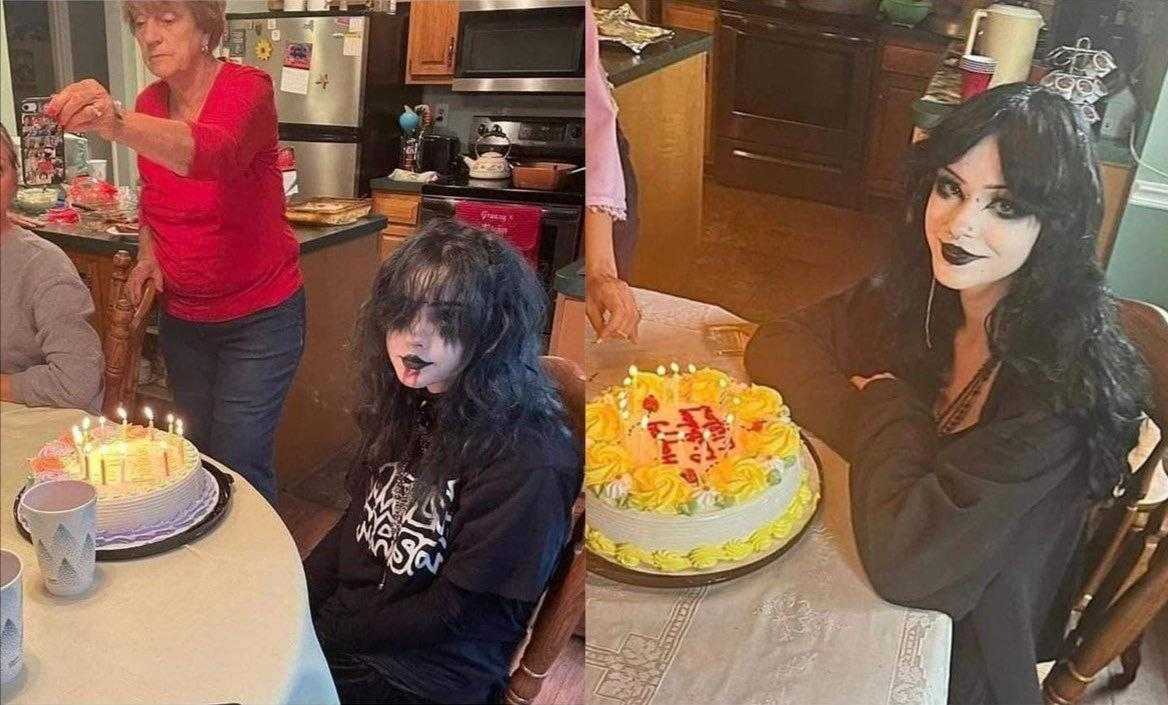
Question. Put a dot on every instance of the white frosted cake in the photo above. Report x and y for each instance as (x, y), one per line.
(693, 472)
(149, 482)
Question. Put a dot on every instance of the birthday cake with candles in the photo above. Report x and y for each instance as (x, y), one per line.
(150, 482)
(693, 472)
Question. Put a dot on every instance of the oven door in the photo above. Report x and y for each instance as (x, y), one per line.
(520, 46)
(559, 233)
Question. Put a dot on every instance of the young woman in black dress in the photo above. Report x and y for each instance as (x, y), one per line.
(980, 387)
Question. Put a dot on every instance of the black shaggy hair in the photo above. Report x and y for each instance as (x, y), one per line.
(480, 292)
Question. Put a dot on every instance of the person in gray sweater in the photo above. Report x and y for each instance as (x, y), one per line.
(50, 355)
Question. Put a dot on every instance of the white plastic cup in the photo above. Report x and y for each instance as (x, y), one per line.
(97, 169)
(62, 519)
(11, 617)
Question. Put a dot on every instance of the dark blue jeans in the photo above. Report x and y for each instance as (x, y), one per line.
(229, 381)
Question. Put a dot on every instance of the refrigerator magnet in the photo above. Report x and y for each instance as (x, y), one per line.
(263, 49)
(275, 35)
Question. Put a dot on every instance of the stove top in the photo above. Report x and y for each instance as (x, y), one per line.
(549, 138)
(502, 190)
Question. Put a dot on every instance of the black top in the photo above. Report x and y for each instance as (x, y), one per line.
(982, 524)
(435, 592)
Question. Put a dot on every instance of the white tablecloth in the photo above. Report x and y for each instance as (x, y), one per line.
(805, 629)
(224, 619)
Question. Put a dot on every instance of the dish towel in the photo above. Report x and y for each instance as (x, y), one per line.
(516, 224)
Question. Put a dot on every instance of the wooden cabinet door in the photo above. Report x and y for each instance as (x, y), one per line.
(432, 39)
(701, 19)
(391, 239)
(399, 208)
(891, 133)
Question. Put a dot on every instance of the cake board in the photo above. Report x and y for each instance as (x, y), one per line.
(614, 571)
(188, 535)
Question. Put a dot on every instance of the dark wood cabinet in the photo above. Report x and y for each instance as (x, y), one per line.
(792, 106)
(904, 76)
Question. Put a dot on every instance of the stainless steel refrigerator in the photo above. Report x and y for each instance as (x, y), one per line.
(339, 85)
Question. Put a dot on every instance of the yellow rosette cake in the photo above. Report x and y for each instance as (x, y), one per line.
(693, 472)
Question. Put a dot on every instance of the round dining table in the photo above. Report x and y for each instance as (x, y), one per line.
(807, 628)
(223, 619)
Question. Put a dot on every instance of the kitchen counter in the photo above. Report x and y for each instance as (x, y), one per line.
(571, 195)
(311, 238)
(623, 65)
(944, 95)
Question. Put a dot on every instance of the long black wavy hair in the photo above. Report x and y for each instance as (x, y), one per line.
(492, 303)
(1056, 327)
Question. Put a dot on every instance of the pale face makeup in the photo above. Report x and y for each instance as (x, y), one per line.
(978, 234)
(421, 357)
(169, 39)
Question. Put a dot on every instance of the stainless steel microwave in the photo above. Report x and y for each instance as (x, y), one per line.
(520, 46)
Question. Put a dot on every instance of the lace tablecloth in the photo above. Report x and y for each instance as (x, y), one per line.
(224, 619)
(805, 629)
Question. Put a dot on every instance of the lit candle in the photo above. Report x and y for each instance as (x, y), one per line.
(85, 429)
(690, 368)
(675, 381)
(661, 370)
(165, 460)
(125, 459)
(77, 444)
(125, 422)
(729, 433)
(182, 447)
(170, 423)
(101, 429)
(149, 414)
(88, 467)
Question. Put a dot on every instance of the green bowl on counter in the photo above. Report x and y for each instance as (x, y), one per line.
(906, 12)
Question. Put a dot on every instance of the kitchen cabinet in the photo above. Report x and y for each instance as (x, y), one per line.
(703, 18)
(402, 211)
(904, 75)
(792, 104)
(432, 41)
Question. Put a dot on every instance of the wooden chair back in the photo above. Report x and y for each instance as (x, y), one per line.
(125, 327)
(1128, 582)
(563, 603)
(1146, 326)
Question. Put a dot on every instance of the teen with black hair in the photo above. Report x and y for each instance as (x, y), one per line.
(980, 387)
(463, 485)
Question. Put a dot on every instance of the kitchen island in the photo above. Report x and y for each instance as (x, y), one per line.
(661, 96)
(338, 263)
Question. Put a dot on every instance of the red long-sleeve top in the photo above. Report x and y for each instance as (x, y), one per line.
(220, 235)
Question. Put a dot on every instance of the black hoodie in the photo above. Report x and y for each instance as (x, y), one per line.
(435, 593)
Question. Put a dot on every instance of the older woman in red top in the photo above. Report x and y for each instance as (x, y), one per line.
(213, 237)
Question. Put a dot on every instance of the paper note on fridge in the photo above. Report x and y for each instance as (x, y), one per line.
(294, 81)
(351, 45)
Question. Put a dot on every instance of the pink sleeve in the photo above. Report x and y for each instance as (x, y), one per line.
(605, 184)
(228, 136)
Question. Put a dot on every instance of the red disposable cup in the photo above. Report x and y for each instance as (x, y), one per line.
(976, 74)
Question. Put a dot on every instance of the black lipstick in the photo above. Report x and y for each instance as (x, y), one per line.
(414, 362)
(957, 255)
